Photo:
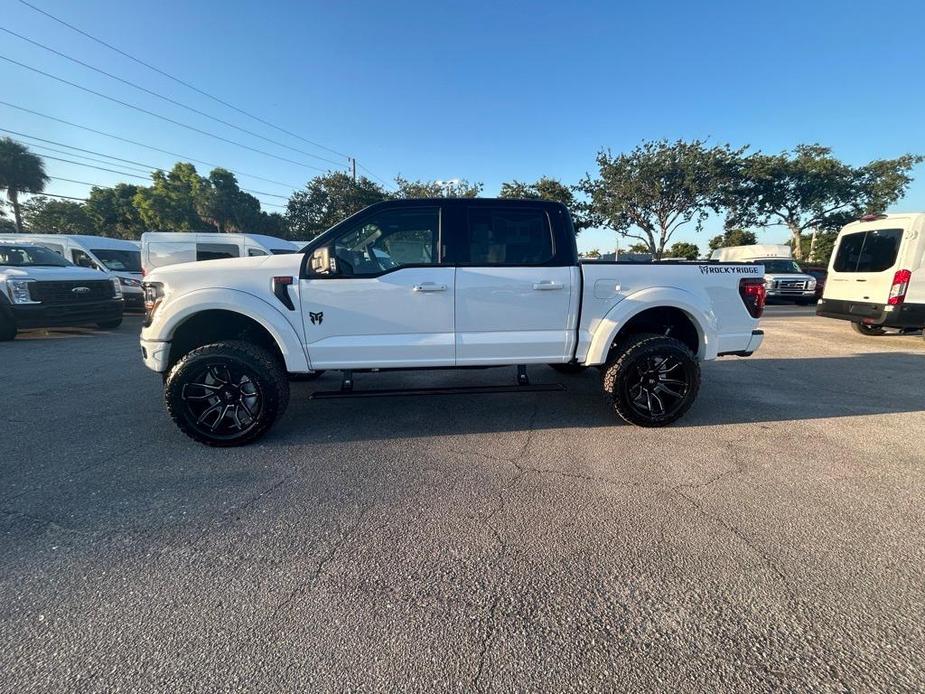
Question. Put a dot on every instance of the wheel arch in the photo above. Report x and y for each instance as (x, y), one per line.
(206, 316)
(685, 315)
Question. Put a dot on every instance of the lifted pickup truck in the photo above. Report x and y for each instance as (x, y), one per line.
(411, 284)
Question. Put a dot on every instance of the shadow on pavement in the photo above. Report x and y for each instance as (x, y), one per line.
(734, 391)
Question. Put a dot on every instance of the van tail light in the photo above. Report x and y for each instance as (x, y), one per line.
(753, 293)
(899, 288)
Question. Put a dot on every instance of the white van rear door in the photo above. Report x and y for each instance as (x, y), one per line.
(864, 264)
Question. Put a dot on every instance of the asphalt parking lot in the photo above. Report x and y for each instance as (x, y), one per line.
(773, 539)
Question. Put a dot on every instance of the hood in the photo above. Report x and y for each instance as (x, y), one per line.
(51, 274)
(227, 272)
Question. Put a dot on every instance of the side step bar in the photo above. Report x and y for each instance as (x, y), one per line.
(457, 390)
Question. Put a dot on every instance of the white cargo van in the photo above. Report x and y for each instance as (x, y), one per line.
(160, 248)
(117, 257)
(877, 274)
(783, 278)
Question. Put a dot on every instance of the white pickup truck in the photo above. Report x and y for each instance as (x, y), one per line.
(411, 284)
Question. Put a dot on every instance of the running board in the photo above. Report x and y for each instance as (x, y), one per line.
(457, 390)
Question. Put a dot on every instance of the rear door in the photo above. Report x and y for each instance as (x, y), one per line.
(390, 302)
(516, 298)
(863, 265)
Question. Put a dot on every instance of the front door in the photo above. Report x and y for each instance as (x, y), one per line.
(389, 302)
(513, 303)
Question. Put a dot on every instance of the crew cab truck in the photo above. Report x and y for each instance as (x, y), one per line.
(413, 284)
(41, 289)
(876, 276)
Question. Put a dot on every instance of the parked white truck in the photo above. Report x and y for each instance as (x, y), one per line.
(414, 284)
(783, 278)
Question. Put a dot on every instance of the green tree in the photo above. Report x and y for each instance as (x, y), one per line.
(169, 204)
(456, 188)
(46, 215)
(593, 253)
(547, 188)
(223, 205)
(21, 171)
(6, 225)
(113, 211)
(825, 243)
(733, 237)
(683, 249)
(659, 187)
(638, 247)
(326, 200)
(809, 189)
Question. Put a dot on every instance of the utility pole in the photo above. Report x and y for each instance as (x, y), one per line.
(353, 168)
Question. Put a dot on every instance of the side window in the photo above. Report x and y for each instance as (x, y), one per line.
(251, 252)
(82, 259)
(53, 247)
(508, 237)
(868, 251)
(215, 251)
(389, 240)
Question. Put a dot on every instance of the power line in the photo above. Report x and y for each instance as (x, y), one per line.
(160, 116)
(53, 195)
(134, 142)
(79, 156)
(382, 181)
(168, 99)
(179, 81)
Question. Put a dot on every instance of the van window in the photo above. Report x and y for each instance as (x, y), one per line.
(216, 251)
(868, 251)
(508, 237)
(251, 252)
(119, 260)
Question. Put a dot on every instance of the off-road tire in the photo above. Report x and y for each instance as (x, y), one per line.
(868, 330)
(569, 369)
(110, 324)
(638, 353)
(261, 368)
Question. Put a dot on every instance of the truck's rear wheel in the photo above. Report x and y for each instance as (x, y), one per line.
(227, 393)
(651, 380)
(868, 330)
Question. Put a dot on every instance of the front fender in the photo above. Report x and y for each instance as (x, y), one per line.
(175, 311)
(696, 308)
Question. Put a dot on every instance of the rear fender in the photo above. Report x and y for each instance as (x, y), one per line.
(176, 311)
(696, 308)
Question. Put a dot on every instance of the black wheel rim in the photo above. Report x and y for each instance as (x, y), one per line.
(222, 401)
(658, 385)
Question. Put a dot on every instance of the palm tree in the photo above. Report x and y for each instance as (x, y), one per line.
(21, 171)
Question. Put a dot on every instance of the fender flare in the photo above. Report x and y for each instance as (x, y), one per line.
(174, 313)
(696, 309)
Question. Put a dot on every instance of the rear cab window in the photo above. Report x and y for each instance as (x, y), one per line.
(508, 236)
(874, 250)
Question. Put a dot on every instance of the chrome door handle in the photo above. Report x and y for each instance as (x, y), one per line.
(429, 287)
(547, 285)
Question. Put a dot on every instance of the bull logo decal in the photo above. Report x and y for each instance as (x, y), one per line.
(316, 318)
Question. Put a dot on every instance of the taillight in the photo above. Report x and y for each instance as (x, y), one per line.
(753, 293)
(899, 288)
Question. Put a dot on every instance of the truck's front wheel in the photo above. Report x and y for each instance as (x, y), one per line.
(651, 380)
(227, 393)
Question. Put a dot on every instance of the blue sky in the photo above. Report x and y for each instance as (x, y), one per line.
(483, 91)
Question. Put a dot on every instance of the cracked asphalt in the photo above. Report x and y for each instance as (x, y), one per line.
(773, 539)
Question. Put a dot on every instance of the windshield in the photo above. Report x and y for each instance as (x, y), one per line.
(30, 256)
(119, 261)
(779, 265)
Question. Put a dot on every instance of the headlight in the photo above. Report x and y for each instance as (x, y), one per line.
(116, 288)
(129, 282)
(769, 284)
(154, 295)
(19, 291)
(811, 284)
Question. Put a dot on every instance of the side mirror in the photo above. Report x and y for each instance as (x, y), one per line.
(322, 262)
